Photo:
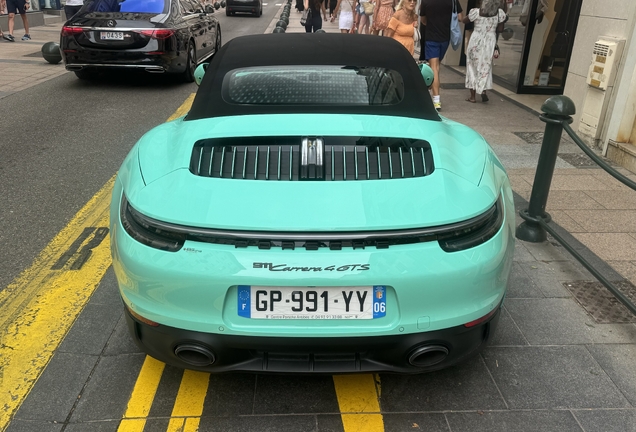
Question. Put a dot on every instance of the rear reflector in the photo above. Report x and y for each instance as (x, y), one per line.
(142, 319)
(482, 319)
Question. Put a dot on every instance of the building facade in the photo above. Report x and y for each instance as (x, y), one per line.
(605, 92)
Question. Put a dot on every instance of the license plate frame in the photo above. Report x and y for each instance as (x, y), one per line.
(346, 303)
(111, 36)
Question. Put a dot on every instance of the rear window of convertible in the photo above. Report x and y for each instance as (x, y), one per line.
(313, 85)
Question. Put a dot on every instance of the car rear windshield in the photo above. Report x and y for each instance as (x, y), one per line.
(313, 85)
(127, 6)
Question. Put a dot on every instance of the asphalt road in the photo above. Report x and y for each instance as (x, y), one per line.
(60, 141)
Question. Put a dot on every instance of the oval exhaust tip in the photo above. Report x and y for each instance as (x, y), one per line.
(195, 355)
(428, 355)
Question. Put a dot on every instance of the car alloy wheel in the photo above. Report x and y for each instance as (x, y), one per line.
(191, 63)
(217, 47)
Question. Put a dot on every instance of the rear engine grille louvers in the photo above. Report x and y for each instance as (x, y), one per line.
(339, 158)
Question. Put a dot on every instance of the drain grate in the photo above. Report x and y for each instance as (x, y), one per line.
(530, 137)
(601, 304)
(578, 160)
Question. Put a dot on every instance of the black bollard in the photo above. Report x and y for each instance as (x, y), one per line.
(556, 110)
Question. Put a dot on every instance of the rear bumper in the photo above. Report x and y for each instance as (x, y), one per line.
(323, 355)
(243, 6)
(168, 62)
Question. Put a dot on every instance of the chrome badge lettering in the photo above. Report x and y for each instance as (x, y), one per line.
(288, 268)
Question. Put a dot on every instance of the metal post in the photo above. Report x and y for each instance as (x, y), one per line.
(556, 110)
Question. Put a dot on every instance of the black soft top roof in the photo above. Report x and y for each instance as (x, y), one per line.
(279, 49)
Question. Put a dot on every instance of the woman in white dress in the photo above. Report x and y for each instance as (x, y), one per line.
(481, 47)
(347, 16)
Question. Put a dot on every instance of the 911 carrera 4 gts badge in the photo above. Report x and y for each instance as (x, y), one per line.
(287, 268)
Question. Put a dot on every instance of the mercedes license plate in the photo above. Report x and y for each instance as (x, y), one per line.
(111, 35)
(322, 303)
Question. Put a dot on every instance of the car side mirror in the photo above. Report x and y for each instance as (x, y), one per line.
(427, 74)
(199, 72)
(209, 8)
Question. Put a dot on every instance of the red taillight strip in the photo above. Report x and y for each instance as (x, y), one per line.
(156, 33)
(142, 319)
(70, 31)
(482, 319)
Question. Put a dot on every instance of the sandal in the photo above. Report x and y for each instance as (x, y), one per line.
(471, 100)
(484, 97)
(496, 53)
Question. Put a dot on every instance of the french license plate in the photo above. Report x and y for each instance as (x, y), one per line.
(321, 303)
(111, 35)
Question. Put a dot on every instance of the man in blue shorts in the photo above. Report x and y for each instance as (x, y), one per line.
(436, 16)
(19, 6)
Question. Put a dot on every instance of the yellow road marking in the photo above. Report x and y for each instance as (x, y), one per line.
(188, 406)
(358, 401)
(183, 109)
(40, 306)
(142, 396)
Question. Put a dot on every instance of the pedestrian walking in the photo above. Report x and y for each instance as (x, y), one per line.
(72, 7)
(481, 47)
(347, 18)
(402, 24)
(332, 8)
(362, 23)
(382, 14)
(300, 5)
(13, 7)
(469, 26)
(315, 20)
(436, 16)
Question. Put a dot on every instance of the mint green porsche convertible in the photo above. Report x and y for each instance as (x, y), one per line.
(312, 213)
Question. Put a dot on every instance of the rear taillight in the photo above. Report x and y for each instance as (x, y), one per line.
(156, 34)
(71, 31)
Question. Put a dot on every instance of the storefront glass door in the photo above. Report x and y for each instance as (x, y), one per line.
(536, 45)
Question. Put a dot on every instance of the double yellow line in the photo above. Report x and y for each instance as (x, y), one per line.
(39, 307)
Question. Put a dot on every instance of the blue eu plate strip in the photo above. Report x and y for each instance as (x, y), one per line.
(379, 301)
(244, 301)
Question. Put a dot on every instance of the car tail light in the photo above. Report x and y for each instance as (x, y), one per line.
(71, 31)
(142, 229)
(485, 227)
(157, 33)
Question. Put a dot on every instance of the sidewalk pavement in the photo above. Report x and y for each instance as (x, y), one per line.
(563, 357)
(21, 62)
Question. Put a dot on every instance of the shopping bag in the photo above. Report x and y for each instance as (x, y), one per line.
(456, 33)
(305, 17)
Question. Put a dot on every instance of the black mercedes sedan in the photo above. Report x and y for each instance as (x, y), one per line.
(157, 36)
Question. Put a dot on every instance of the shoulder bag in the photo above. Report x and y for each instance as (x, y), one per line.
(368, 8)
(455, 32)
(306, 16)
